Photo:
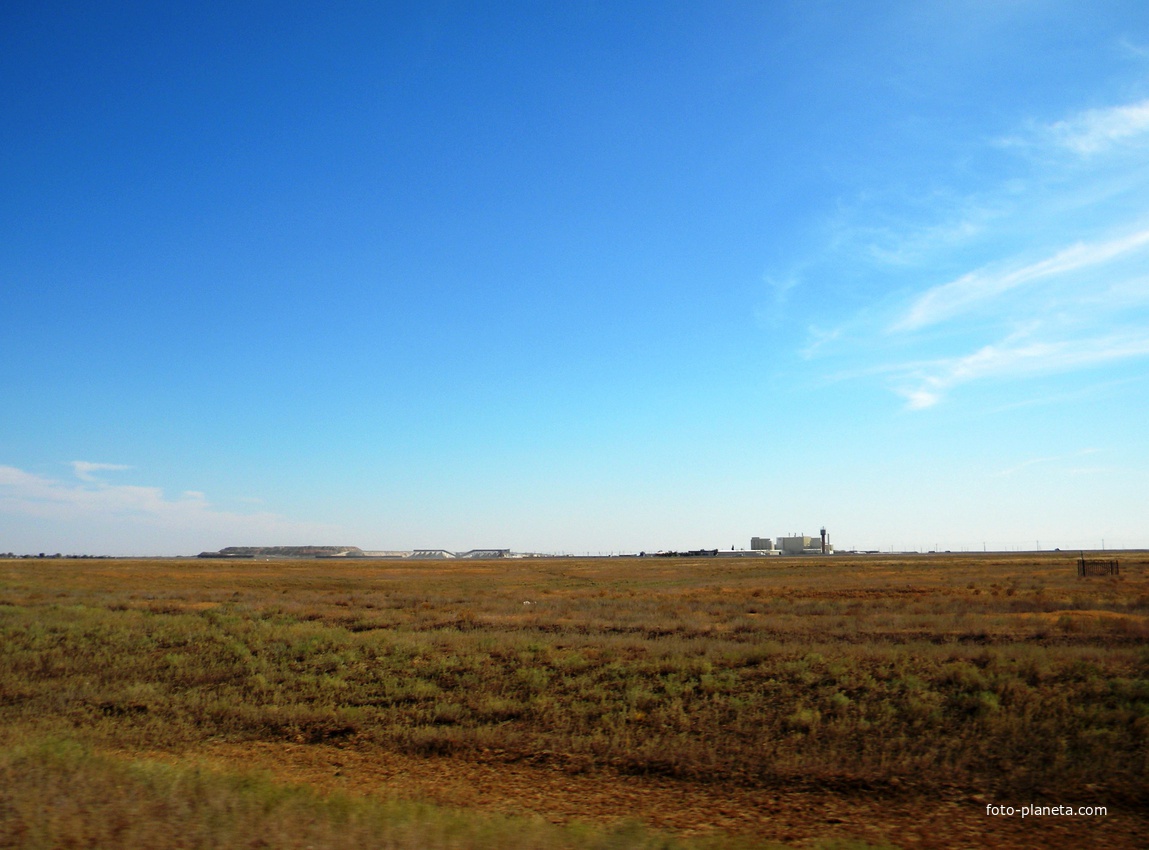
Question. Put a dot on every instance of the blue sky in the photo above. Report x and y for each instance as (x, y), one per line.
(575, 277)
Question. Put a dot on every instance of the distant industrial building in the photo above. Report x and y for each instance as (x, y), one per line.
(799, 544)
(270, 552)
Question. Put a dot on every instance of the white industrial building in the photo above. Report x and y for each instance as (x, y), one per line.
(797, 544)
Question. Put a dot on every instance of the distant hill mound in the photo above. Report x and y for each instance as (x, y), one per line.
(285, 552)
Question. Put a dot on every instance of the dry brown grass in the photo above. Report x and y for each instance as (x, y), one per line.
(1004, 677)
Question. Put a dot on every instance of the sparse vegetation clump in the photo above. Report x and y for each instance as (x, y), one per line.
(57, 794)
(989, 675)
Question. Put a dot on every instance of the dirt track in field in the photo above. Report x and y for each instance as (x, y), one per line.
(797, 817)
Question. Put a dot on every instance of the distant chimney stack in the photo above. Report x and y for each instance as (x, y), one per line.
(823, 540)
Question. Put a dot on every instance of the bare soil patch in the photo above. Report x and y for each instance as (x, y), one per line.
(798, 817)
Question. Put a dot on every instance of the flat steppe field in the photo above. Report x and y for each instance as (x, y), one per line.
(844, 701)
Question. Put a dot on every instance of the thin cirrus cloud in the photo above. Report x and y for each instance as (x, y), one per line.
(1080, 304)
(1097, 130)
(926, 384)
(948, 300)
(85, 470)
(1055, 459)
(87, 510)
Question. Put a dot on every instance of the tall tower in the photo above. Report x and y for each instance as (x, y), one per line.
(823, 540)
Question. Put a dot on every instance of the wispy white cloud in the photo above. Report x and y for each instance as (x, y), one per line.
(948, 300)
(781, 285)
(769, 311)
(902, 249)
(1078, 395)
(1093, 470)
(1025, 464)
(1086, 134)
(1138, 50)
(817, 339)
(1044, 264)
(921, 398)
(85, 470)
(1097, 130)
(89, 512)
(925, 384)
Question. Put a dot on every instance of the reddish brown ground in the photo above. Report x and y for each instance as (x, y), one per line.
(796, 817)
